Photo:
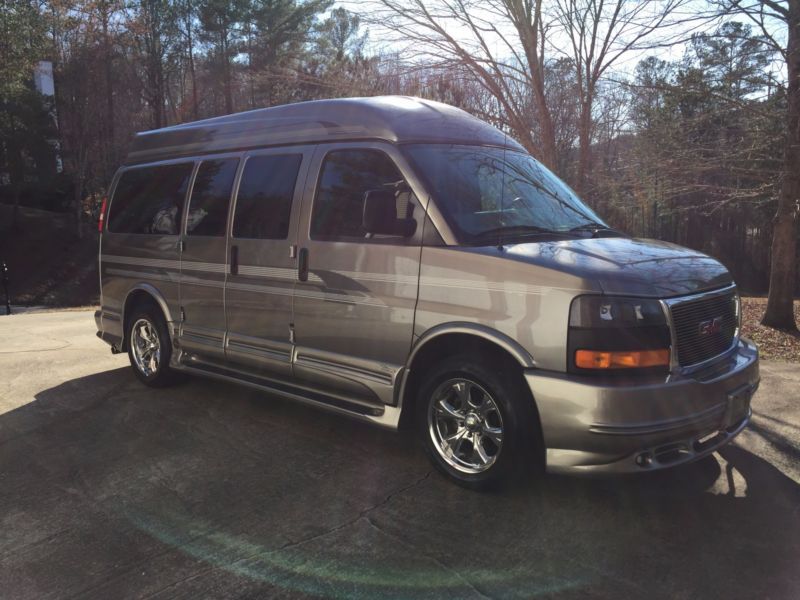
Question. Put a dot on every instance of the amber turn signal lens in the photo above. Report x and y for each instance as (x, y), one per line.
(601, 359)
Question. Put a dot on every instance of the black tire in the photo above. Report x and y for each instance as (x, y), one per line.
(520, 451)
(162, 375)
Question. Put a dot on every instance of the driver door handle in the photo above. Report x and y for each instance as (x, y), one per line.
(302, 264)
(234, 260)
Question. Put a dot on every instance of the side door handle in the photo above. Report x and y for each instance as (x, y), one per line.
(302, 264)
(234, 260)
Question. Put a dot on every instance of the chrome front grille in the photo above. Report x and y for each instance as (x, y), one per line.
(704, 327)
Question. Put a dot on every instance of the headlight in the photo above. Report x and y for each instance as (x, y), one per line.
(611, 332)
(610, 311)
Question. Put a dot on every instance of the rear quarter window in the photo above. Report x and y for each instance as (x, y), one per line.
(150, 199)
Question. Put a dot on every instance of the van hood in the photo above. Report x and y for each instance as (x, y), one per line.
(619, 265)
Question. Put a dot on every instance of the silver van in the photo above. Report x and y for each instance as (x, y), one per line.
(399, 261)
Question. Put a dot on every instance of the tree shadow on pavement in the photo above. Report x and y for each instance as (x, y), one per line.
(110, 489)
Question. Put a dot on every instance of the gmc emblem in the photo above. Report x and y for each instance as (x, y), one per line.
(711, 326)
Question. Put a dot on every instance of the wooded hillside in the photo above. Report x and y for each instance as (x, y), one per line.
(674, 119)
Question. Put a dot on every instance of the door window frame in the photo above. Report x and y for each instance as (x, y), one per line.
(306, 153)
(312, 192)
(234, 188)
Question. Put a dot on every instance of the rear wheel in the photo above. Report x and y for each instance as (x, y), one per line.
(478, 423)
(150, 348)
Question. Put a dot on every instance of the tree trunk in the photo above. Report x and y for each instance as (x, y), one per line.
(15, 211)
(79, 209)
(16, 167)
(527, 19)
(157, 92)
(162, 93)
(195, 105)
(584, 148)
(155, 64)
(780, 309)
(228, 88)
(548, 152)
(109, 82)
(226, 64)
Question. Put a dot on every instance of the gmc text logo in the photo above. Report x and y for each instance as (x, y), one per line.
(711, 326)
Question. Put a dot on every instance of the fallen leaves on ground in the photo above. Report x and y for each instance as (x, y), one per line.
(772, 343)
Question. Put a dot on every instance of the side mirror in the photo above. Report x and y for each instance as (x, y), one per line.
(380, 215)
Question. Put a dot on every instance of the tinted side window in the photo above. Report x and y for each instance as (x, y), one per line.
(346, 176)
(150, 199)
(264, 201)
(211, 194)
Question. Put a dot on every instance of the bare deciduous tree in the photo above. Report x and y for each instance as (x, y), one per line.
(598, 34)
(500, 41)
(783, 270)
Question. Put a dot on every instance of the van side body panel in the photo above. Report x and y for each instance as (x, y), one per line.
(354, 316)
(127, 262)
(530, 305)
(131, 261)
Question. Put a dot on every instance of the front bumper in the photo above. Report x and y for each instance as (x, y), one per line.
(603, 426)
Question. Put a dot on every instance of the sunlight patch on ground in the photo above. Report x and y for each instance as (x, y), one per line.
(730, 482)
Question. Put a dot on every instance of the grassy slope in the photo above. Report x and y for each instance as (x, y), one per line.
(47, 264)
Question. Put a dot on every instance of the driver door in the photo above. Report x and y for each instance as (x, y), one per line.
(356, 292)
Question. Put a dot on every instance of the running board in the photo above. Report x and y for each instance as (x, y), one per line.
(385, 416)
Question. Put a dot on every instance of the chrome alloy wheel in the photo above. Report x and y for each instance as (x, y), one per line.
(465, 425)
(146, 347)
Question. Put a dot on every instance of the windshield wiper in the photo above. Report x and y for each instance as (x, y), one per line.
(597, 230)
(515, 231)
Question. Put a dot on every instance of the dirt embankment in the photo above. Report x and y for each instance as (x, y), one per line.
(771, 342)
(47, 264)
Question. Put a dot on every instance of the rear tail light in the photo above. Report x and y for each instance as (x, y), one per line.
(102, 219)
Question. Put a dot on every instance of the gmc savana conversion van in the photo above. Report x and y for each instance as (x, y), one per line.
(400, 261)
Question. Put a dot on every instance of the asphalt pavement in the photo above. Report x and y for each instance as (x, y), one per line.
(109, 489)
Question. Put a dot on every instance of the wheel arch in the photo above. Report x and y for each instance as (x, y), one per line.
(451, 337)
(142, 293)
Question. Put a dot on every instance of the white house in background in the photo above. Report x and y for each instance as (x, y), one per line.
(45, 84)
(43, 78)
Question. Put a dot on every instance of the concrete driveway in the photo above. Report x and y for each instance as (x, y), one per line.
(111, 490)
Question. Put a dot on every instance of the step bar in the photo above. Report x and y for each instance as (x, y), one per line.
(381, 415)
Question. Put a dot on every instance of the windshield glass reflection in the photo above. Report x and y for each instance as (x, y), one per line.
(485, 192)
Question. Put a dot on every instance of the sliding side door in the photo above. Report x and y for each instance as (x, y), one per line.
(258, 293)
(204, 259)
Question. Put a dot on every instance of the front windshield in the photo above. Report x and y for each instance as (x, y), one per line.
(490, 192)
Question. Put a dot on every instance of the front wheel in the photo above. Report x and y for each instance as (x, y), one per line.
(477, 423)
